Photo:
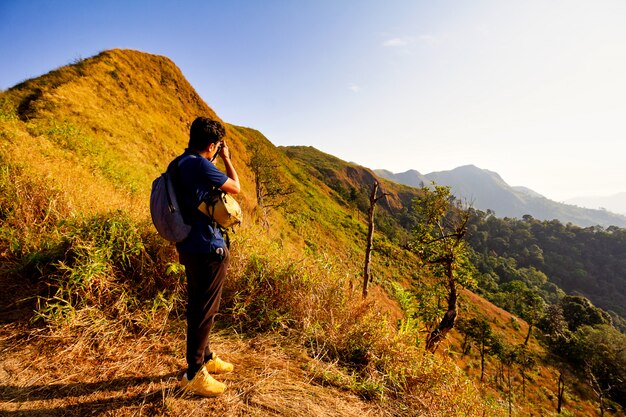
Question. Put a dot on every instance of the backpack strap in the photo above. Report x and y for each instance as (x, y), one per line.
(173, 169)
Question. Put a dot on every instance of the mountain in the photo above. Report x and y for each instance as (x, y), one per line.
(615, 203)
(486, 190)
(527, 191)
(410, 177)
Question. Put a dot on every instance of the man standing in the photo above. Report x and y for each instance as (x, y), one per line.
(203, 253)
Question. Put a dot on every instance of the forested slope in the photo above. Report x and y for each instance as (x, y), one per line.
(589, 261)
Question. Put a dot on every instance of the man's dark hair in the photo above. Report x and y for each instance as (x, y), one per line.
(204, 132)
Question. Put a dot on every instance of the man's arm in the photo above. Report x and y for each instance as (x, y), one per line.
(231, 186)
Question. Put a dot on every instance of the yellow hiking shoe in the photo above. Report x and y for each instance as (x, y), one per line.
(202, 384)
(217, 366)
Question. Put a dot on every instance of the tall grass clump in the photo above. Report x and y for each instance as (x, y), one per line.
(7, 111)
(109, 270)
(89, 272)
(29, 210)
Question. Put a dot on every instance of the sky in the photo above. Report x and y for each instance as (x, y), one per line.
(533, 90)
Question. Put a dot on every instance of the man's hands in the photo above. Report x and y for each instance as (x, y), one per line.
(224, 151)
(231, 186)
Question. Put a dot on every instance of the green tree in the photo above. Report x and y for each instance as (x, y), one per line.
(526, 360)
(439, 241)
(270, 186)
(463, 327)
(600, 352)
(579, 311)
(556, 328)
(532, 310)
(478, 331)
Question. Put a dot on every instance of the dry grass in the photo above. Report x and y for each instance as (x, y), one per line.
(311, 348)
(47, 375)
(58, 374)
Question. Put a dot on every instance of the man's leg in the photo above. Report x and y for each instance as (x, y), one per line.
(205, 280)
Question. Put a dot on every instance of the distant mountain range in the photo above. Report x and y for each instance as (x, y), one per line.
(486, 190)
(615, 203)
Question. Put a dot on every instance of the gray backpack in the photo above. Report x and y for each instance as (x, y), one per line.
(164, 208)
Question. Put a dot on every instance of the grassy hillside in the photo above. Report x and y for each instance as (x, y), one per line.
(506, 328)
(93, 317)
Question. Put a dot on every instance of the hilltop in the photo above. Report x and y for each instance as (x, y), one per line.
(93, 318)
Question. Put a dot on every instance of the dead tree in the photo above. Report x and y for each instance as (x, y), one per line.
(597, 389)
(370, 236)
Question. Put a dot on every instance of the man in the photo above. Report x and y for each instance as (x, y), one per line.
(203, 253)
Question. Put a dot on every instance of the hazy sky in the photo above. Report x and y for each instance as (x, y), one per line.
(534, 90)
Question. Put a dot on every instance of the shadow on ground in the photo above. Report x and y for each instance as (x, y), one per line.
(151, 398)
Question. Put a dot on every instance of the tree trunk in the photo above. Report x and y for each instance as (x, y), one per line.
(530, 329)
(560, 392)
(260, 202)
(466, 346)
(482, 359)
(510, 389)
(370, 239)
(447, 322)
(597, 389)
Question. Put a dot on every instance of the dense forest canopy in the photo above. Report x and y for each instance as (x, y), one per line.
(590, 261)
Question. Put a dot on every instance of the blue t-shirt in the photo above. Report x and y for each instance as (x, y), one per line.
(198, 179)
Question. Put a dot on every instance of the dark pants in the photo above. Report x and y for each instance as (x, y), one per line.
(205, 279)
